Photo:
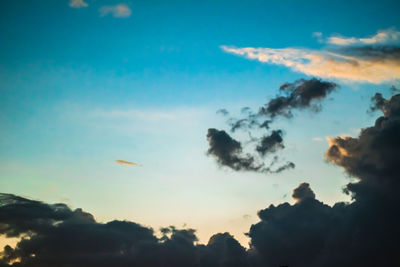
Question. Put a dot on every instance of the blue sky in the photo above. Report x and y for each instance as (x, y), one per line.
(81, 88)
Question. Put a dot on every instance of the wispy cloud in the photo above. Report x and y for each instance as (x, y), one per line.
(117, 11)
(124, 162)
(382, 37)
(360, 64)
(78, 4)
(318, 139)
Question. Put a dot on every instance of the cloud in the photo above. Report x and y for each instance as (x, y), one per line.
(117, 11)
(382, 37)
(270, 143)
(301, 94)
(374, 156)
(308, 233)
(302, 192)
(78, 4)
(55, 235)
(124, 162)
(298, 95)
(367, 63)
(228, 152)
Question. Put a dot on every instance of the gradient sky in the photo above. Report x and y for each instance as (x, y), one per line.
(82, 86)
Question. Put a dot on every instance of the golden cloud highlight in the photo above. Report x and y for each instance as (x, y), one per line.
(124, 162)
(325, 64)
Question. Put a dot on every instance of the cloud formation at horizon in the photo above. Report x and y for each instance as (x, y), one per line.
(308, 233)
(363, 63)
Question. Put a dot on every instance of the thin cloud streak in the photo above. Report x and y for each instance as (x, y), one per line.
(129, 163)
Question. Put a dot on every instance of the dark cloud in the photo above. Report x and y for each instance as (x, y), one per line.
(309, 233)
(374, 156)
(223, 250)
(378, 102)
(364, 232)
(300, 94)
(55, 235)
(302, 192)
(229, 153)
(270, 143)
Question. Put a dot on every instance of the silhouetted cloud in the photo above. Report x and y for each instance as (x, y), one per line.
(229, 153)
(55, 235)
(374, 156)
(361, 233)
(270, 143)
(308, 233)
(300, 94)
(302, 192)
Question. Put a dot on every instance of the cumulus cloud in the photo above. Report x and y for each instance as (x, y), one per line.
(374, 156)
(308, 233)
(117, 11)
(55, 235)
(360, 60)
(302, 192)
(78, 4)
(361, 233)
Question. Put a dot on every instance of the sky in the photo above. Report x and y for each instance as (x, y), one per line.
(106, 105)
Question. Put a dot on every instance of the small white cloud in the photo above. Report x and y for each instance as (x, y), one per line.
(382, 37)
(117, 11)
(78, 4)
